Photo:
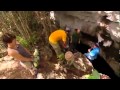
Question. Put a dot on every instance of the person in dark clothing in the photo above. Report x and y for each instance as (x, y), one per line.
(68, 31)
(75, 39)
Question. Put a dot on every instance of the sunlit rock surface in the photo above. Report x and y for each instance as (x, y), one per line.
(87, 21)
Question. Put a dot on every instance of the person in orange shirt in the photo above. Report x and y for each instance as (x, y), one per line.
(55, 37)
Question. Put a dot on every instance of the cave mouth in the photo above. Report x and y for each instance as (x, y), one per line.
(99, 64)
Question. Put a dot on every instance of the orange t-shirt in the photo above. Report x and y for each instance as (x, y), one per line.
(57, 35)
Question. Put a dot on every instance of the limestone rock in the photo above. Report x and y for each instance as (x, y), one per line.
(13, 70)
(87, 21)
(40, 76)
(45, 53)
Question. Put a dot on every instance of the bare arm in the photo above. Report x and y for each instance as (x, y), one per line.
(90, 49)
(17, 56)
(64, 44)
(64, 41)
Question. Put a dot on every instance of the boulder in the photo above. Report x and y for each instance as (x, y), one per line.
(87, 22)
(13, 70)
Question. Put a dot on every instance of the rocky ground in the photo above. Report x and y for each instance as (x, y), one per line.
(87, 22)
(12, 70)
(49, 69)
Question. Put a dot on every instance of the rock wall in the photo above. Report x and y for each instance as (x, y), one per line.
(87, 21)
(13, 70)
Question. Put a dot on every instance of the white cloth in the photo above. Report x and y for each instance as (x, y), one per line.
(100, 39)
(107, 43)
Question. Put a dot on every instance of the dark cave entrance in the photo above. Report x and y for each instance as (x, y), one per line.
(99, 64)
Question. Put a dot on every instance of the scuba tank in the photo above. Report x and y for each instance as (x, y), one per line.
(36, 57)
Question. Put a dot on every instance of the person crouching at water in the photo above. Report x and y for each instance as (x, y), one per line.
(93, 52)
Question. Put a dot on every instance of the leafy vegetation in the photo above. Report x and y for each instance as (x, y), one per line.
(95, 75)
(28, 26)
(28, 42)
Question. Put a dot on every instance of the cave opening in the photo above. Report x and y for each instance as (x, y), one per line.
(99, 64)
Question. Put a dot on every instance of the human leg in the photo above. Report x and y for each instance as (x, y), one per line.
(56, 48)
(74, 46)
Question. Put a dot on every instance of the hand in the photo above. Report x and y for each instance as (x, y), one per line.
(103, 76)
(32, 59)
(64, 46)
(78, 42)
(89, 50)
(67, 46)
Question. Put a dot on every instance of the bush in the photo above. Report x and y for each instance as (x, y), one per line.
(30, 42)
(22, 41)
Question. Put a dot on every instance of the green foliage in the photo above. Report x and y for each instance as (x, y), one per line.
(61, 56)
(34, 38)
(22, 41)
(29, 42)
(95, 75)
(36, 52)
(36, 61)
(36, 58)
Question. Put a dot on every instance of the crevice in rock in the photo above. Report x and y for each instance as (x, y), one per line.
(100, 64)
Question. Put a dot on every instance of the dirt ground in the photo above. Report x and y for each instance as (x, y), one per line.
(12, 70)
(52, 69)
(48, 69)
